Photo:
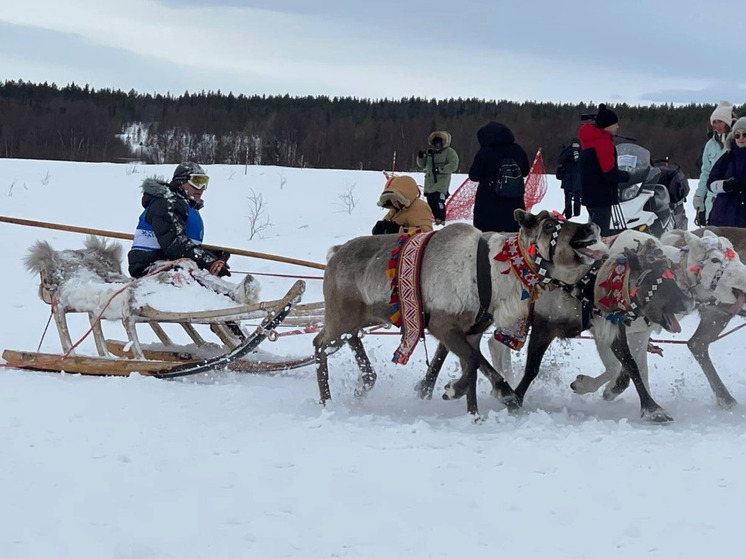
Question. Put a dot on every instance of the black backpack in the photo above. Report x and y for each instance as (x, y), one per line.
(509, 183)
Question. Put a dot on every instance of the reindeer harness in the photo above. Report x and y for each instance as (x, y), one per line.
(623, 303)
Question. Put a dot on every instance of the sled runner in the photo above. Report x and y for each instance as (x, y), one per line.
(167, 359)
(90, 282)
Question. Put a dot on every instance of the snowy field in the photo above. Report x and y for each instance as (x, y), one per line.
(248, 466)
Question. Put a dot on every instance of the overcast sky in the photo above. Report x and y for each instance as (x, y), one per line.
(635, 51)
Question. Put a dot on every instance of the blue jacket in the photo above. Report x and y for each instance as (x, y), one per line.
(169, 228)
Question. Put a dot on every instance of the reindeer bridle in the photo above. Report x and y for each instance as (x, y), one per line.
(729, 256)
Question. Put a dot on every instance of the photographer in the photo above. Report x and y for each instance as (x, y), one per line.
(439, 161)
(406, 211)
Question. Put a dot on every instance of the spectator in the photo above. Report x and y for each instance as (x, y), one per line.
(406, 210)
(721, 120)
(599, 173)
(727, 179)
(495, 203)
(569, 173)
(439, 162)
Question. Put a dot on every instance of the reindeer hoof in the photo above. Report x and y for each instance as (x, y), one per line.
(659, 416)
(727, 403)
(363, 388)
(449, 393)
(579, 385)
(512, 402)
(613, 390)
(423, 390)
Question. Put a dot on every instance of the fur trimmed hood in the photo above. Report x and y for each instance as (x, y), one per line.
(155, 187)
(443, 135)
(403, 189)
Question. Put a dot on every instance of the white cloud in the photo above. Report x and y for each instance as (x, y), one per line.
(525, 53)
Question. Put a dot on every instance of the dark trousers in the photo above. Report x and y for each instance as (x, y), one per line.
(602, 218)
(572, 203)
(437, 203)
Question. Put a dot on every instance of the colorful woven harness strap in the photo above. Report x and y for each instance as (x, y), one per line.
(406, 296)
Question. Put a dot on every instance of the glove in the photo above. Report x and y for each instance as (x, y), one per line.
(421, 154)
(699, 203)
(385, 227)
(222, 255)
(733, 185)
(430, 151)
(701, 218)
(219, 268)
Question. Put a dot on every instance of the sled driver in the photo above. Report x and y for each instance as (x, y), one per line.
(170, 228)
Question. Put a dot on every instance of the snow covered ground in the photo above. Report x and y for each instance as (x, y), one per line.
(251, 466)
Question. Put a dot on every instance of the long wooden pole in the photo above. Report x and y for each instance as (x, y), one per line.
(127, 236)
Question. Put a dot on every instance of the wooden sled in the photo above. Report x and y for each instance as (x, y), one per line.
(167, 359)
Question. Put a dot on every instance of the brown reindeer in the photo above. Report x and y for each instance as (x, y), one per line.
(357, 292)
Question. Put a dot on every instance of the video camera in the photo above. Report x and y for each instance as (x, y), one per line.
(589, 116)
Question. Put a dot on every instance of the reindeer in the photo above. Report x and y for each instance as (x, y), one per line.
(558, 314)
(714, 274)
(357, 292)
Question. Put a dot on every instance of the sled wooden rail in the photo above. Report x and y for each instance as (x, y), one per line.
(128, 237)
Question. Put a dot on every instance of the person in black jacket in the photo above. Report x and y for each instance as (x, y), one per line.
(170, 227)
(493, 212)
(599, 173)
(569, 173)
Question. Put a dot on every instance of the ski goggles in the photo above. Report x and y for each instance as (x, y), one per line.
(198, 181)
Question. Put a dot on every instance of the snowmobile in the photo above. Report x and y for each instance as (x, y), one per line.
(652, 200)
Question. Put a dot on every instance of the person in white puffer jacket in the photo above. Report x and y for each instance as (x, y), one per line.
(721, 121)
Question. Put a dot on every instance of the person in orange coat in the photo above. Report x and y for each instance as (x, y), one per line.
(406, 210)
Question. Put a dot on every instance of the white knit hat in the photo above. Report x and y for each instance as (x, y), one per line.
(724, 112)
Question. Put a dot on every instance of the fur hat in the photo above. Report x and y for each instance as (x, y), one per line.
(605, 117)
(185, 170)
(724, 112)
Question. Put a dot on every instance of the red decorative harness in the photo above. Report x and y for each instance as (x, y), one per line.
(406, 298)
(513, 253)
(515, 335)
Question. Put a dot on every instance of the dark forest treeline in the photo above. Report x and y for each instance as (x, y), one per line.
(42, 121)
